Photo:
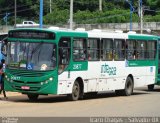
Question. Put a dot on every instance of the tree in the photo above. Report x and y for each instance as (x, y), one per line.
(85, 11)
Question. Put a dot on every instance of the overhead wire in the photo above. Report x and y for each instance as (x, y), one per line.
(32, 7)
(8, 8)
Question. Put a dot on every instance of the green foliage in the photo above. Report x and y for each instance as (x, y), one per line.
(114, 16)
(150, 18)
(153, 3)
(57, 17)
(85, 11)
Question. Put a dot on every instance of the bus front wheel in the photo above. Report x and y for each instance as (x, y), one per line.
(75, 95)
(32, 97)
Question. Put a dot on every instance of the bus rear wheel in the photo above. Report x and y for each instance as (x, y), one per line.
(128, 87)
(75, 95)
(32, 97)
(128, 90)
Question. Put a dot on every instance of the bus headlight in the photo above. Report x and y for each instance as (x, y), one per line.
(6, 76)
(11, 80)
(51, 79)
(47, 81)
(8, 79)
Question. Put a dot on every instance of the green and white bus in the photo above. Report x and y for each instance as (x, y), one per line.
(73, 63)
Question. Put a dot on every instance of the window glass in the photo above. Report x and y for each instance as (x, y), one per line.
(119, 49)
(141, 47)
(107, 49)
(151, 49)
(31, 56)
(79, 49)
(64, 53)
(93, 49)
(131, 49)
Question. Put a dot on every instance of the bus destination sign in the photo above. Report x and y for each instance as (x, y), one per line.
(28, 34)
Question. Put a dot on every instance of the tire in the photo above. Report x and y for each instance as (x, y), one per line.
(151, 87)
(128, 87)
(33, 97)
(75, 95)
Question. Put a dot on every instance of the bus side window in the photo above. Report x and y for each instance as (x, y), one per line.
(93, 49)
(131, 49)
(119, 49)
(64, 53)
(141, 47)
(151, 49)
(107, 49)
(79, 49)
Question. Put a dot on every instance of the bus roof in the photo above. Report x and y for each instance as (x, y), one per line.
(93, 34)
(64, 32)
(120, 35)
(143, 37)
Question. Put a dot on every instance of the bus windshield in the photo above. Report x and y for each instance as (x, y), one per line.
(31, 56)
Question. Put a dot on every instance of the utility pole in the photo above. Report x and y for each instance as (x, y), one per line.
(100, 5)
(15, 13)
(41, 14)
(71, 14)
(50, 6)
(131, 12)
(141, 16)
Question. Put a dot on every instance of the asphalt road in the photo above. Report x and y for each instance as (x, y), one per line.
(142, 103)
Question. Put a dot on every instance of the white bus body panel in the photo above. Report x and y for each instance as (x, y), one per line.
(95, 80)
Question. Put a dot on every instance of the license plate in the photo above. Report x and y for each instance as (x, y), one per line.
(25, 87)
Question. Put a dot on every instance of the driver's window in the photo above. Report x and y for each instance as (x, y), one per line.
(64, 53)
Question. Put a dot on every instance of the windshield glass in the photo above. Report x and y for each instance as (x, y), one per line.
(31, 56)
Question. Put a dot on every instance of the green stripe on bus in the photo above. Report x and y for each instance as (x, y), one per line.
(142, 37)
(141, 63)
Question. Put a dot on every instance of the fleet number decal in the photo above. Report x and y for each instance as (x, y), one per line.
(15, 78)
(77, 66)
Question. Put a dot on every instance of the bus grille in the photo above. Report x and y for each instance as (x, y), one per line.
(26, 73)
(34, 86)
